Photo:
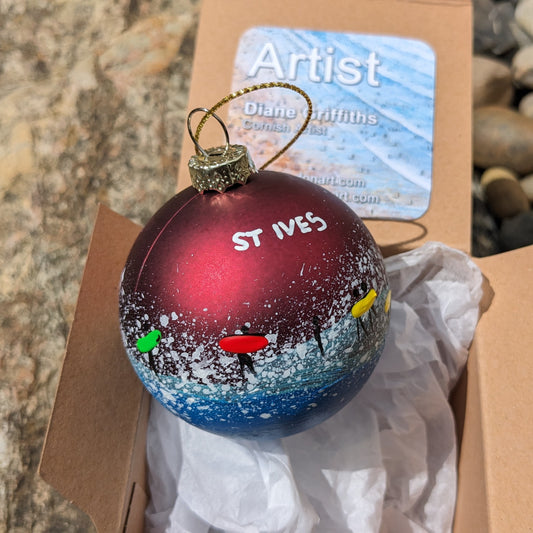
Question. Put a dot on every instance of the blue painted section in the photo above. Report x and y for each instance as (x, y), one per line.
(296, 390)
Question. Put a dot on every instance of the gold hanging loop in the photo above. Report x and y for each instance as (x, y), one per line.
(269, 85)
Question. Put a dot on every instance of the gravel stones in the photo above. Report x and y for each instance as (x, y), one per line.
(502, 125)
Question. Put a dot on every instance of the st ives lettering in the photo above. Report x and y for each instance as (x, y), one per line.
(244, 239)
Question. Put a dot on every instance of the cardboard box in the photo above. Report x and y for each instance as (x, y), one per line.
(94, 449)
(444, 25)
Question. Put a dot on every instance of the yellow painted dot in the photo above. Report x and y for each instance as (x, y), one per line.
(387, 302)
(363, 305)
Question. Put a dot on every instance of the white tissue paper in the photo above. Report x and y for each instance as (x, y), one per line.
(385, 463)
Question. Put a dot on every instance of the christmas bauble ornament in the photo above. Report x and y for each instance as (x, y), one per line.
(258, 311)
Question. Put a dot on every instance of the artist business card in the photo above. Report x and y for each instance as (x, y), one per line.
(370, 139)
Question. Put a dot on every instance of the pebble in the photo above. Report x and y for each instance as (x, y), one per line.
(493, 27)
(485, 229)
(517, 232)
(524, 16)
(503, 193)
(525, 107)
(522, 67)
(503, 137)
(492, 82)
(527, 186)
(521, 37)
(483, 30)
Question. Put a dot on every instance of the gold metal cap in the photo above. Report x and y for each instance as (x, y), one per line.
(216, 169)
(221, 167)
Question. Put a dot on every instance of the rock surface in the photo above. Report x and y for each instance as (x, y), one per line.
(522, 67)
(503, 193)
(527, 186)
(494, 30)
(525, 107)
(503, 137)
(73, 132)
(492, 82)
(524, 16)
(517, 231)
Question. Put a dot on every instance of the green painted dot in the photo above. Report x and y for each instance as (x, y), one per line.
(149, 342)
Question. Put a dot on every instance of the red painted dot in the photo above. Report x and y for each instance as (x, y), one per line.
(243, 343)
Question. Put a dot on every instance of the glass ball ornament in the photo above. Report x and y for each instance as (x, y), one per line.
(258, 311)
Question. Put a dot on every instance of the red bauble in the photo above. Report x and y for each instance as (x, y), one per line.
(227, 298)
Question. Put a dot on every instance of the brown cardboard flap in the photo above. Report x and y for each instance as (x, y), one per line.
(95, 446)
(100, 408)
(135, 519)
(471, 508)
(503, 357)
(444, 25)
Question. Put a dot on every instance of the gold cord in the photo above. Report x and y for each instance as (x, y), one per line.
(246, 90)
